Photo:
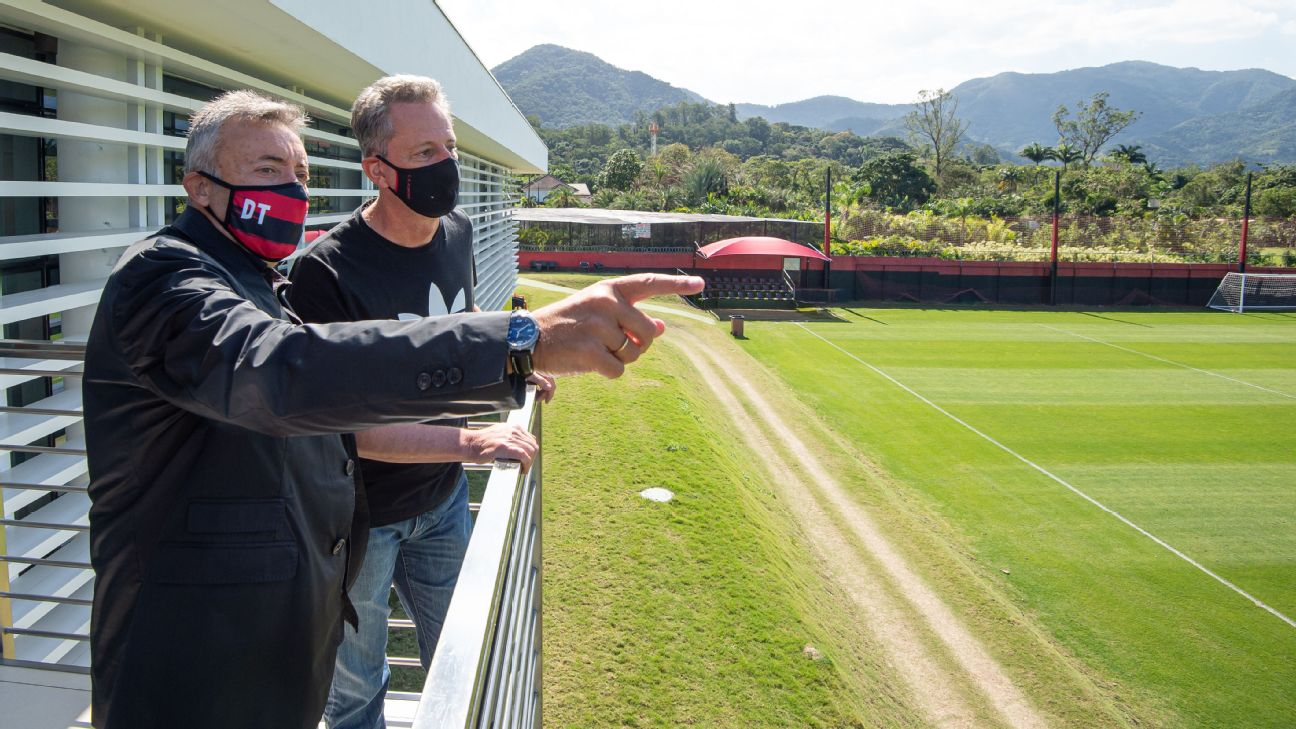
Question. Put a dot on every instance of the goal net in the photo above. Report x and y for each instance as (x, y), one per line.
(1240, 292)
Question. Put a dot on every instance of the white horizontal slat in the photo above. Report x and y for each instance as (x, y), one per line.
(18, 427)
(48, 581)
(329, 218)
(127, 189)
(46, 244)
(69, 26)
(50, 469)
(73, 619)
(39, 302)
(35, 126)
(55, 617)
(33, 543)
(79, 655)
(88, 189)
(8, 380)
(399, 708)
(338, 163)
(49, 75)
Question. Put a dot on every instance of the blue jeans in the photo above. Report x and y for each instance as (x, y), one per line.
(422, 556)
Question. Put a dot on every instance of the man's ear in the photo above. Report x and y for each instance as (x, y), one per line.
(381, 175)
(199, 189)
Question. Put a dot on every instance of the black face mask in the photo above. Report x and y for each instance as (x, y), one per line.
(430, 191)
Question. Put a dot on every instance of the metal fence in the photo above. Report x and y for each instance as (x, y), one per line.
(1081, 238)
(45, 579)
(656, 237)
(487, 668)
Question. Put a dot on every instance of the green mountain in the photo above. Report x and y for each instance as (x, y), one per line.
(565, 88)
(834, 113)
(1011, 110)
(1187, 115)
(1261, 132)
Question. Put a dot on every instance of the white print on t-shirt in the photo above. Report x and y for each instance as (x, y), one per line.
(436, 304)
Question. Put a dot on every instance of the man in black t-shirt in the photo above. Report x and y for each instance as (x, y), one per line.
(405, 255)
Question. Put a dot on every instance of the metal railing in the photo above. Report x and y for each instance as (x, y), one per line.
(45, 575)
(486, 671)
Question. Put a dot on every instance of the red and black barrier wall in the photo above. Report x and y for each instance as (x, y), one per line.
(939, 281)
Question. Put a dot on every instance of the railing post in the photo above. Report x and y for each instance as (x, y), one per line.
(6, 604)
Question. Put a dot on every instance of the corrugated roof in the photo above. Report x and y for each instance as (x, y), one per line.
(599, 216)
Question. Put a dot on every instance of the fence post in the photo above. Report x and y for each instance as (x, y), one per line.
(1053, 254)
(1246, 218)
(6, 604)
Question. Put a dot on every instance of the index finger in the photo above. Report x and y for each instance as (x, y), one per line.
(641, 286)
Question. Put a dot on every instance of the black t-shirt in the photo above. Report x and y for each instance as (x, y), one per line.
(352, 273)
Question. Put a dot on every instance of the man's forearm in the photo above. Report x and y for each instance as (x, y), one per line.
(414, 443)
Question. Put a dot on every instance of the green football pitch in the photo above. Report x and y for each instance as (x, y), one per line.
(1129, 478)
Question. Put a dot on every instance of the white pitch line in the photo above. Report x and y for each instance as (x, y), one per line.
(1172, 362)
(1255, 601)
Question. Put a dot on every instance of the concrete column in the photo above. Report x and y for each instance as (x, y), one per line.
(85, 161)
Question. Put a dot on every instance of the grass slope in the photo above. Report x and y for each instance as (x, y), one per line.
(1200, 461)
(689, 613)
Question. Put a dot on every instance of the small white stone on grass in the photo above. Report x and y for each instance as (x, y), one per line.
(657, 493)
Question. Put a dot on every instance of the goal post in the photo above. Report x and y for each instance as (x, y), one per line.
(1239, 292)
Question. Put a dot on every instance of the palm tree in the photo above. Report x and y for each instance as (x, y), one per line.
(1066, 154)
(1036, 152)
(562, 197)
(1129, 153)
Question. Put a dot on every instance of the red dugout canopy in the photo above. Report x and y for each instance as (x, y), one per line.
(759, 246)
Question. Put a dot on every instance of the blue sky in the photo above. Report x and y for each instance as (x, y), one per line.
(768, 52)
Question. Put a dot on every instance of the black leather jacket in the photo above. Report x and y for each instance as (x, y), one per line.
(223, 500)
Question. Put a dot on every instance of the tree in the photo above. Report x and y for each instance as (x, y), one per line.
(1095, 123)
(562, 197)
(1037, 153)
(982, 154)
(707, 176)
(1066, 154)
(896, 180)
(621, 171)
(1129, 154)
(934, 123)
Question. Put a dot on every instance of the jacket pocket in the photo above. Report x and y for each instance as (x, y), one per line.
(181, 563)
(230, 516)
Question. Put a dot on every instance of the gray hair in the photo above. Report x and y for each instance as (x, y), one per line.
(206, 123)
(371, 113)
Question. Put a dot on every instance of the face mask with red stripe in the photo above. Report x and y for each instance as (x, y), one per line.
(266, 219)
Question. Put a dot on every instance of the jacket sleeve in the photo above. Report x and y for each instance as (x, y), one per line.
(192, 339)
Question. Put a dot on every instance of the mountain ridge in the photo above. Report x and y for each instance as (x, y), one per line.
(1187, 115)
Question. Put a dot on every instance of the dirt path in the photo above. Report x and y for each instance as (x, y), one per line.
(926, 644)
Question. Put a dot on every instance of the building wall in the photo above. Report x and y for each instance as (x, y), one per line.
(94, 101)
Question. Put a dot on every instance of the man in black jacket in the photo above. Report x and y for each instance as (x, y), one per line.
(223, 502)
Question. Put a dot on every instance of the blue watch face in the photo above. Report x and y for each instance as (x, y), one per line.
(522, 332)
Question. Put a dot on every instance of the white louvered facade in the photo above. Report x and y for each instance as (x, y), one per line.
(93, 101)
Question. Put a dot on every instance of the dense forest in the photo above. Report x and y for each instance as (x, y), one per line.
(708, 160)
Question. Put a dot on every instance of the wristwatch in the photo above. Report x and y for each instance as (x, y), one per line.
(523, 333)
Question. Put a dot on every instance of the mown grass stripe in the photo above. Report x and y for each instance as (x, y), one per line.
(1205, 570)
(1172, 362)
